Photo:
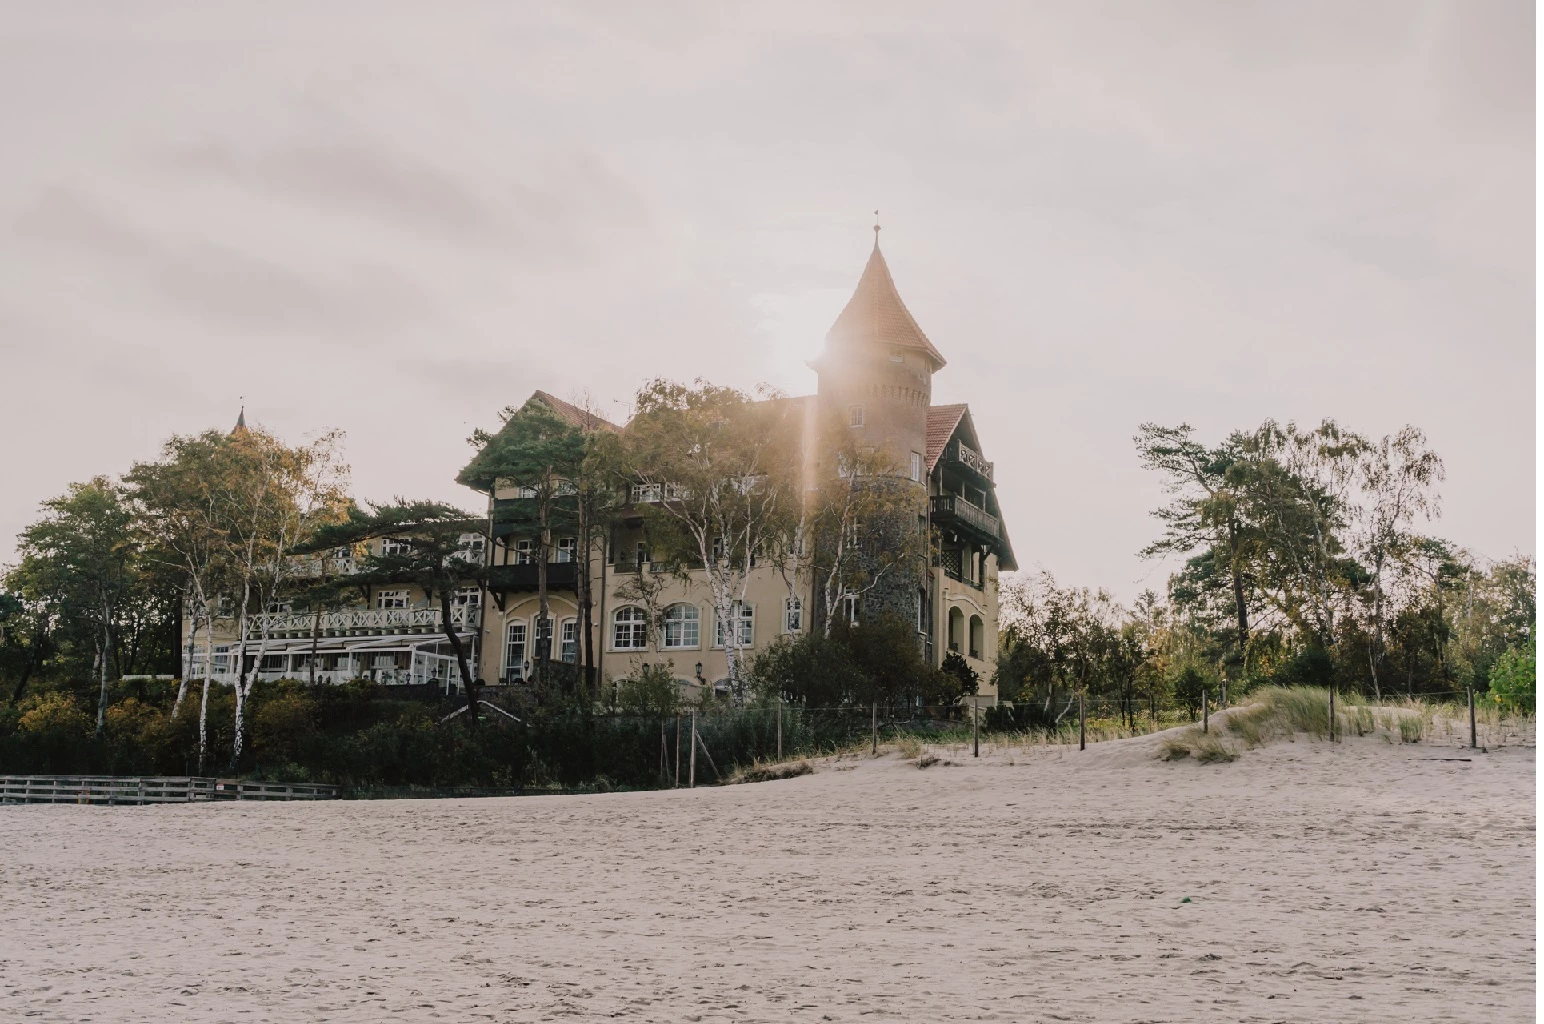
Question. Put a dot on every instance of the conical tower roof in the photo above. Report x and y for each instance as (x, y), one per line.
(241, 421)
(875, 316)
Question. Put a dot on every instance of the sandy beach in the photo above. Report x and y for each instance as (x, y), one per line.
(1304, 882)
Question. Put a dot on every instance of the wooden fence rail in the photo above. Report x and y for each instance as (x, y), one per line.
(120, 789)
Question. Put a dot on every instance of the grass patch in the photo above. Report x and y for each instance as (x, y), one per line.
(910, 747)
(1411, 728)
(762, 772)
(1205, 747)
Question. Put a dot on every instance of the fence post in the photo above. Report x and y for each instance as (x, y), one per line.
(1224, 704)
(691, 769)
(780, 727)
(1472, 738)
(1332, 714)
(1206, 712)
(678, 750)
(1082, 725)
(875, 728)
(975, 727)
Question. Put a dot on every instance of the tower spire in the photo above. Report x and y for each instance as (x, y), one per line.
(876, 229)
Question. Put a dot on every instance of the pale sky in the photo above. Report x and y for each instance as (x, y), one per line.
(396, 218)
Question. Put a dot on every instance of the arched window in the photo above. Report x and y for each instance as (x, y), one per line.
(629, 629)
(568, 641)
(514, 651)
(977, 636)
(682, 626)
(956, 627)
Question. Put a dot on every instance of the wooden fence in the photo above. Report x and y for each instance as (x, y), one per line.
(119, 789)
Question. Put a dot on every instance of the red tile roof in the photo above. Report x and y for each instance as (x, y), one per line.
(941, 421)
(876, 316)
(580, 418)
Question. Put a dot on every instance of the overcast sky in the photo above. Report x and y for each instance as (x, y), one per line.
(397, 218)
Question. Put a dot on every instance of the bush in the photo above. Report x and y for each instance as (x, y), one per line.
(1512, 679)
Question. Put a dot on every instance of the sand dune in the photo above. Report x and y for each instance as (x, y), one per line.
(1363, 881)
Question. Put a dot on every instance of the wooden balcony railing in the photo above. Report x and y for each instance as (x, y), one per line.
(952, 505)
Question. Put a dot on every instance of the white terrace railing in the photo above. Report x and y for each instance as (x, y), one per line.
(375, 620)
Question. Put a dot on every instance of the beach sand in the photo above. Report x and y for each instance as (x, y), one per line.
(1360, 881)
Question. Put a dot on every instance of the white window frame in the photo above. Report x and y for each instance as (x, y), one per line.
(515, 650)
(470, 596)
(395, 546)
(525, 551)
(636, 625)
(793, 615)
(645, 494)
(386, 600)
(567, 549)
(916, 466)
(744, 616)
(568, 641)
(848, 606)
(855, 415)
(683, 627)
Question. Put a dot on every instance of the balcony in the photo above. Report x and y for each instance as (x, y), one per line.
(329, 566)
(968, 456)
(352, 621)
(507, 579)
(955, 509)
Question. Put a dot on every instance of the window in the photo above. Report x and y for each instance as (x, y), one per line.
(467, 597)
(544, 635)
(896, 357)
(682, 622)
(977, 636)
(916, 466)
(568, 641)
(525, 492)
(922, 610)
(643, 493)
(395, 546)
(855, 416)
(525, 551)
(956, 627)
(629, 630)
(744, 618)
(471, 546)
(568, 547)
(391, 599)
(793, 615)
(273, 663)
(718, 550)
(514, 651)
(643, 553)
(848, 608)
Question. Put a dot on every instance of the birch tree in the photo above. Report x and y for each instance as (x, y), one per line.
(271, 497)
(1397, 476)
(178, 500)
(716, 479)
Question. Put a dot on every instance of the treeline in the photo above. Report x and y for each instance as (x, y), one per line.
(1307, 561)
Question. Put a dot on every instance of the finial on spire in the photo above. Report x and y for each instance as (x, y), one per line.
(876, 229)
